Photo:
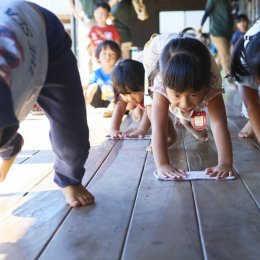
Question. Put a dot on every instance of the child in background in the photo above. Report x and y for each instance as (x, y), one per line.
(101, 30)
(245, 69)
(242, 24)
(128, 84)
(121, 14)
(204, 37)
(99, 91)
(185, 82)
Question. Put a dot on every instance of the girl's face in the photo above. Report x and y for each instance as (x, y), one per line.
(133, 98)
(107, 57)
(185, 101)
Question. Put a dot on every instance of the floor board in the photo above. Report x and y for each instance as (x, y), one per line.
(135, 215)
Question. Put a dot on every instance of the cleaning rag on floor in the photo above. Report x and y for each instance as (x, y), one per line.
(191, 175)
(146, 137)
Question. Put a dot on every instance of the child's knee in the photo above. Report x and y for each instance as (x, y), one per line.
(11, 147)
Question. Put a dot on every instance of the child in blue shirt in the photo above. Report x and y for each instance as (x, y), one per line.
(99, 91)
(242, 24)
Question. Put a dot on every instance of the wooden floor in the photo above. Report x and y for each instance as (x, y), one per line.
(135, 215)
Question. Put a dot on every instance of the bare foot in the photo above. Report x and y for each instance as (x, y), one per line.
(107, 113)
(137, 114)
(109, 110)
(171, 139)
(5, 165)
(77, 196)
(246, 131)
(201, 135)
(177, 121)
(149, 148)
(172, 134)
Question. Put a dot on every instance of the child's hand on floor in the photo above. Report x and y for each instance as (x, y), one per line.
(221, 171)
(139, 133)
(116, 134)
(171, 172)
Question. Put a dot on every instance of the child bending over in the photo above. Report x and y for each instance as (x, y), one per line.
(37, 64)
(99, 91)
(128, 84)
(245, 69)
(186, 82)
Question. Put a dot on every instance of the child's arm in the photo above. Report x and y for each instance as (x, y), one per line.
(90, 91)
(75, 12)
(118, 113)
(160, 115)
(89, 46)
(252, 101)
(218, 122)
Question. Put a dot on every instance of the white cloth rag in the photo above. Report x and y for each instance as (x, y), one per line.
(191, 175)
(146, 137)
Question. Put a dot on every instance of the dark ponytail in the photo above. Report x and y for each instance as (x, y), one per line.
(236, 67)
(252, 55)
(246, 61)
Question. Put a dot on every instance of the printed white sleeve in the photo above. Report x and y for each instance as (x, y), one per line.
(11, 53)
(150, 57)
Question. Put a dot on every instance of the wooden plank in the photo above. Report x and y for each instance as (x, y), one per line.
(247, 164)
(24, 177)
(99, 230)
(26, 218)
(246, 151)
(26, 206)
(32, 221)
(229, 220)
(228, 217)
(233, 107)
(163, 225)
(32, 166)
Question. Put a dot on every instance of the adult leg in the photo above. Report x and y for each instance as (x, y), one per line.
(222, 45)
(62, 100)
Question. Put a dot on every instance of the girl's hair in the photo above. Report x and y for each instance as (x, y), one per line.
(128, 77)
(112, 45)
(246, 61)
(185, 64)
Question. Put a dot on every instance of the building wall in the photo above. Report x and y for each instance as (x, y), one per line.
(142, 31)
